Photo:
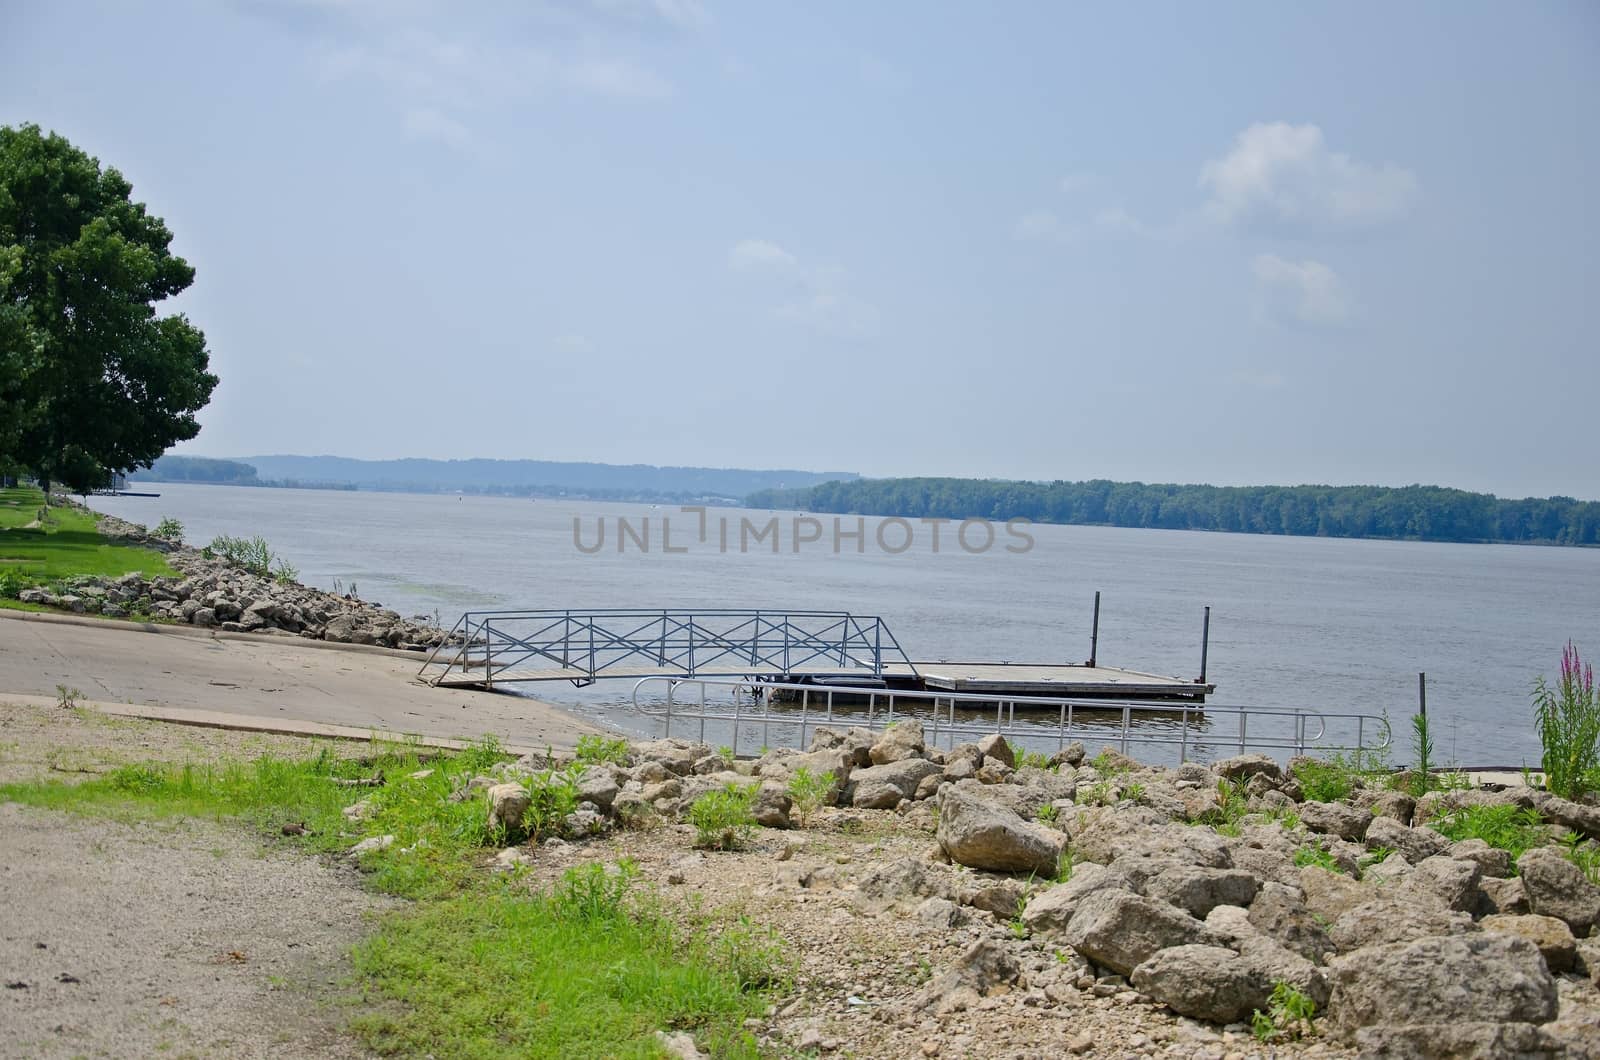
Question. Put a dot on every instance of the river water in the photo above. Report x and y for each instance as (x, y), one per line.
(1314, 623)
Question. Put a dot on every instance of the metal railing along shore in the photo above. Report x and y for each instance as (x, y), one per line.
(786, 714)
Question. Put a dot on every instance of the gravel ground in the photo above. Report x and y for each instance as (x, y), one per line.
(176, 938)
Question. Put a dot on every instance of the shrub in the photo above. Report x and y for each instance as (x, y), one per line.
(251, 553)
(808, 790)
(595, 750)
(12, 582)
(1033, 760)
(1568, 720)
(169, 529)
(723, 819)
(1510, 828)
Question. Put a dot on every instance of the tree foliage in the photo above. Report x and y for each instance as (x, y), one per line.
(92, 380)
(1428, 513)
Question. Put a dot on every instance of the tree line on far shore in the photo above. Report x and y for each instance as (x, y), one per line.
(1425, 513)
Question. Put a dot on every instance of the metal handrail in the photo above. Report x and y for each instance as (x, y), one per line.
(726, 642)
(880, 708)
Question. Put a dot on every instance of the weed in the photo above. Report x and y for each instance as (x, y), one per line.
(1016, 925)
(1047, 814)
(1289, 1014)
(808, 791)
(1064, 866)
(723, 818)
(67, 698)
(1033, 760)
(726, 753)
(1585, 855)
(594, 894)
(1100, 793)
(1568, 720)
(1375, 856)
(593, 749)
(553, 795)
(1510, 828)
(12, 582)
(1312, 854)
(1233, 802)
(1133, 792)
(169, 529)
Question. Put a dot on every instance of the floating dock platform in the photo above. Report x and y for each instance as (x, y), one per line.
(838, 649)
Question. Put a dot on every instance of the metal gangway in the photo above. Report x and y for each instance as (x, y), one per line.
(773, 714)
(487, 649)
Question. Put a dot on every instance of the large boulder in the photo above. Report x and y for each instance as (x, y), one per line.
(984, 835)
(855, 743)
(1049, 911)
(1552, 936)
(882, 787)
(1394, 917)
(902, 740)
(1483, 976)
(507, 805)
(1204, 982)
(1197, 890)
(1414, 844)
(994, 746)
(1243, 767)
(1121, 931)
(1463, 1040)
(596, 784)
(1573, 816)
(1281, 914)
(1556, 887)
(1453, 882)
(1335, 818)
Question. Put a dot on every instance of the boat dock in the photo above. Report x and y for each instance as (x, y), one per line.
(838, 649)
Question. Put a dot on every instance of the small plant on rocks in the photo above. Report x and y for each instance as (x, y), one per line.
(808, 791)
(169, 529)
(596, 750)
(1312, 854)
(723, 818)
(553, 795)
(1289, 1014)
(1510, 828)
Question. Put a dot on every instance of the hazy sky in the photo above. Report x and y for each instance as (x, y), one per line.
(1232, 243)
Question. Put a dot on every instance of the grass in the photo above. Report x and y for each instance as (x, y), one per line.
(594, 749)
(67, 544)
(1510, 828)
(579, 971)
(480, 965)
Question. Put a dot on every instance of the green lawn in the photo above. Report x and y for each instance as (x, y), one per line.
(67, 543)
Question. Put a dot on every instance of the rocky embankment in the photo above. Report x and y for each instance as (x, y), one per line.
(1196, 891)
(213, 593)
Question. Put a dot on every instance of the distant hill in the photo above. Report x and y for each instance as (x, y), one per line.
(520, 477)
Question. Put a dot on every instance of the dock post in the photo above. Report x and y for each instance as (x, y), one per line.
(1205, 643)
(1422, 694)
(1094, 632)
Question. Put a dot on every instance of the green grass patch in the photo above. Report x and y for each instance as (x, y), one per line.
(582, 970)
(68, 543)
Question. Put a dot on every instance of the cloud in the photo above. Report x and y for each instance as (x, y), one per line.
(1284, 173)
(818, 297)
(619, 78)
(1042, 226)
(1305, 291)
(759, 254)
(430, 123)
(1116, 219)
(1074, 182)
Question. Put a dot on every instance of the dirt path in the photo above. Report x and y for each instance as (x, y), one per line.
(174, 939)
(125, 935)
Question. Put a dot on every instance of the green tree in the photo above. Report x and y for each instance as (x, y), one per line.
(91, 379)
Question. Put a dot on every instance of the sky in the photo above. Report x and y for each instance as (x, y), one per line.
(1237, 243)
